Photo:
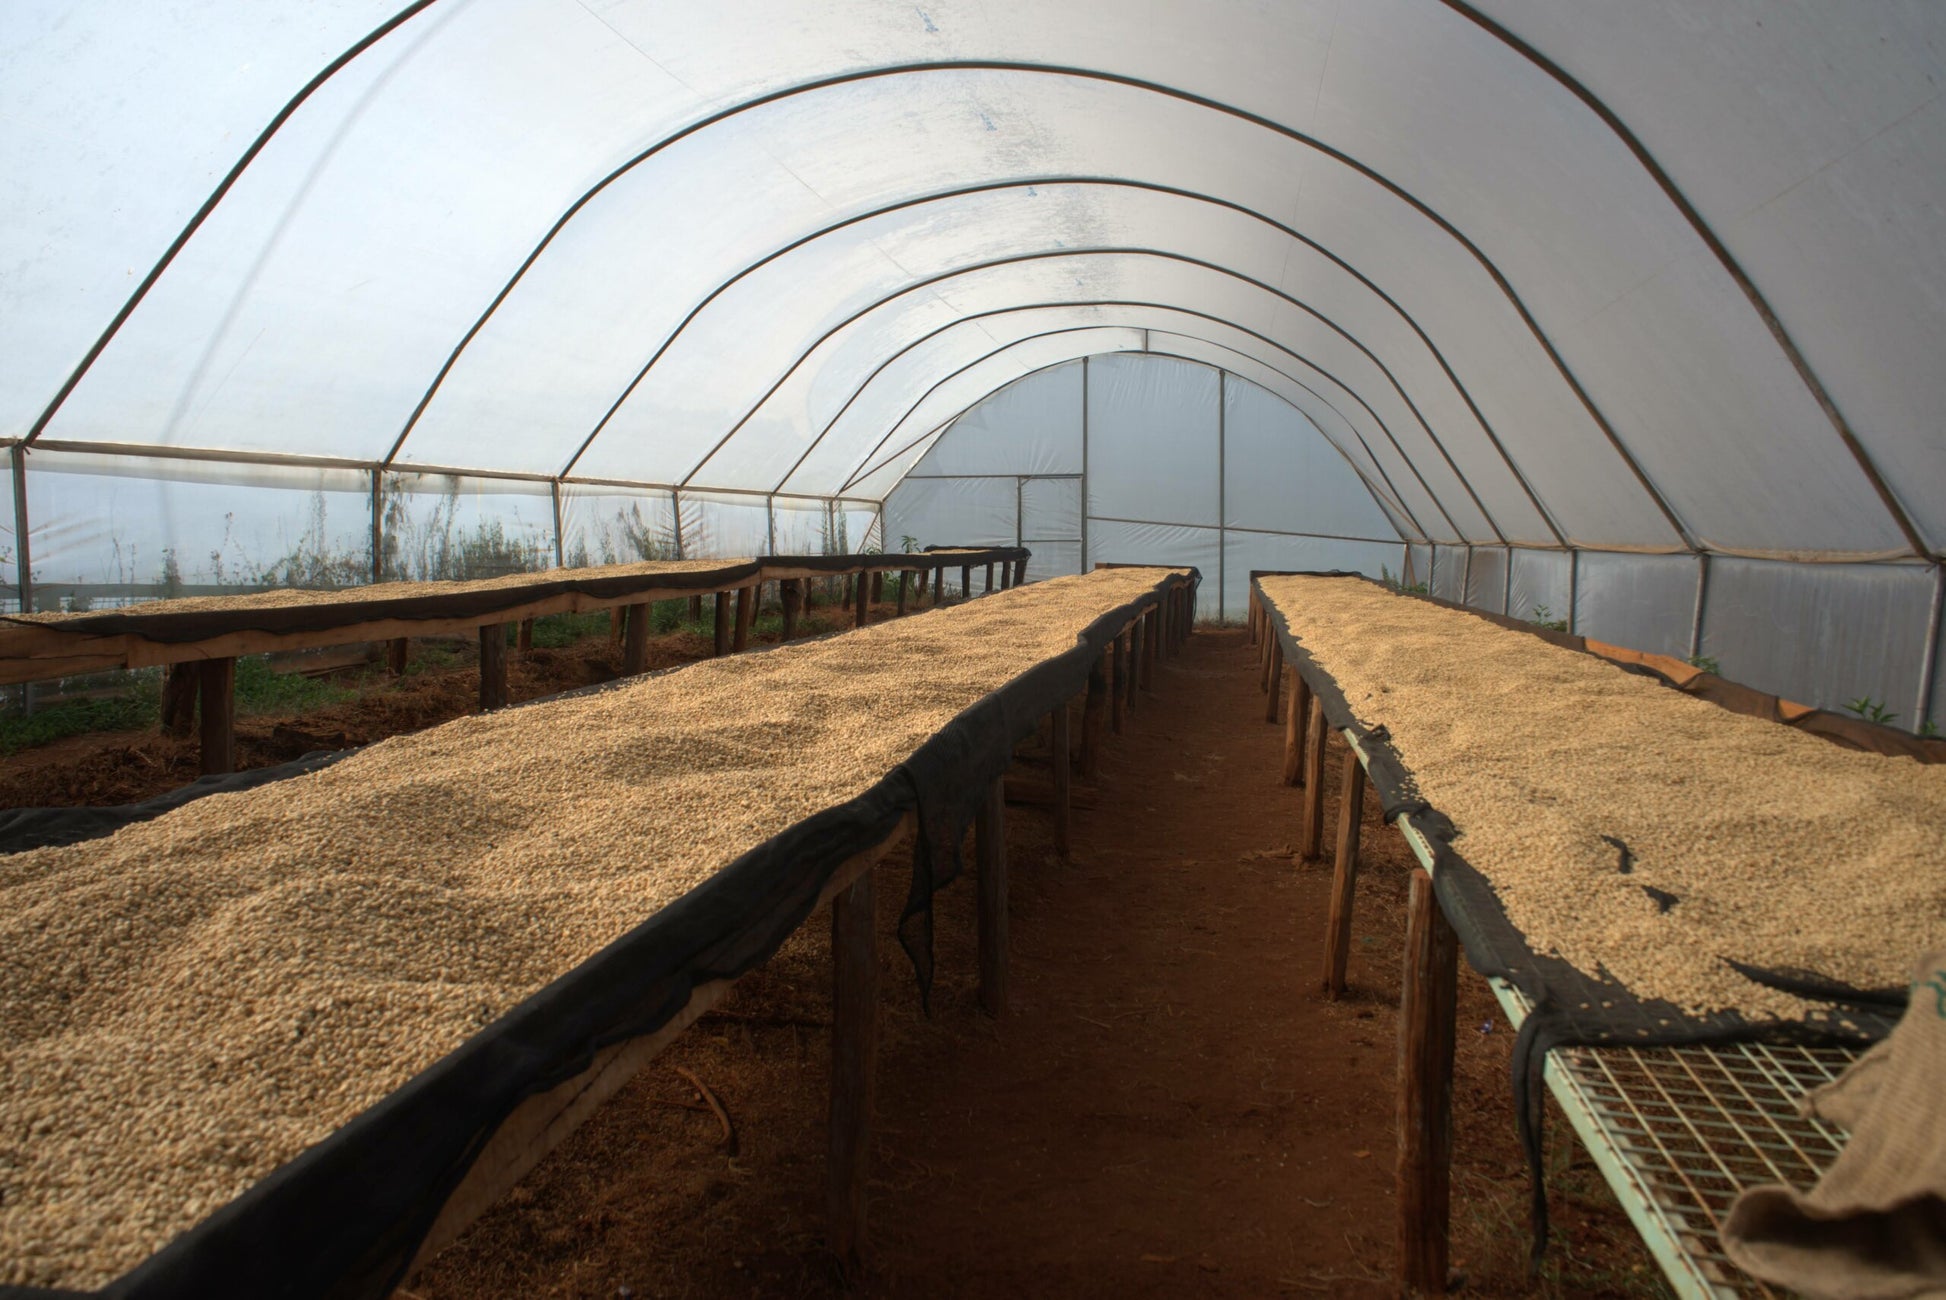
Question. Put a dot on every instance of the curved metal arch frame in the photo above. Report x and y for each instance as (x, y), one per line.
(1166, 255)
(1052, 180)
(1506, 37)
(1009, 346)
(1395, 496)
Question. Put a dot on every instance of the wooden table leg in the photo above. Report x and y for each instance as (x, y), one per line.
(861, 588)
(1133, 634)
(905, 582)
(854, 1064)
(1092, 708)
(1426, 1029)
(216, 731)
(1296, 710)
(722, 646)
(966, 582)
(1118, 685)
(1315, 734)
(746, 615)
(524, 640)
(990, 853)
(396, 651)
(1151, 645)
(1063, 755)
(938, 585)
(493, 666)
(790, 593)
(696, 609)
(635, 639)
(1020, 571)
(1276, 675)
(988, 589)
(179, 700)
(1344, 875)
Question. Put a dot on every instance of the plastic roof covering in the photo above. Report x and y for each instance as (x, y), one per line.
(1654, 274)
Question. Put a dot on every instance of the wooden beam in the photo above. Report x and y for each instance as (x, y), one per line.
(746, 615)
(493, 666)
(179, 700)
(722, 628)
(990, 855)
(1344, 875)
(396, 652)
(790, 594)
(1276, 676)
(1426, 1030)
(862, 593)
(1297, 708)
(635, 641)
(1118, 684)
(1062, 753)
(854, 1066)
(216, 723)
(1092, 708)
(1315, 735)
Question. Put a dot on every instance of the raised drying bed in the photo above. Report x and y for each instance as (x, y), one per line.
(1630, 864)
(256, 1045)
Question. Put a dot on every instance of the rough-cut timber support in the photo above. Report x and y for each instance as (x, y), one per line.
(861, 588)
(1276, 676)
(1344, 875)
(966, 582)
(722, 623)
(1297, 708)
(396, 651)
(939, 585)
(696, 609)
(1314, 737)
(635, 640)
(1062, 750)
(617, 620)
(854, 1065)
(493, 666)
(1118, 684)
(1134, 636)
(525, 640)
(1151, 646)
(179, 699)
(990, 853)
(216, 691)
(1268, 663)
(1426, 1091)
(988, 589)
(1020, 571)
(878, 587)
(905, 583)
(746, 615)
(1091, 710)
(790, 593)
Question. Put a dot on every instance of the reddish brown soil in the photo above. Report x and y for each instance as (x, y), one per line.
(1169, 1108)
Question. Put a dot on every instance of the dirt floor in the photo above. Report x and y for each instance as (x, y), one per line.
(1169, 1107)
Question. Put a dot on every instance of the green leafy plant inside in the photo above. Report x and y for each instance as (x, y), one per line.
(1706, 663)
(1871, 710)
(1544, 617)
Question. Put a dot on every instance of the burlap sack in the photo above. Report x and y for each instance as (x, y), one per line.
(1874, 1228)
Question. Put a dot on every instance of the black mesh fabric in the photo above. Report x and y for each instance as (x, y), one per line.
(1571, 1007)
(344, 1219)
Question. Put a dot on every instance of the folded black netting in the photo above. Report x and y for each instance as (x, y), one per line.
(345, 1218)
(1571, 1007)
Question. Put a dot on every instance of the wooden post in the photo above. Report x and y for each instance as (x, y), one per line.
(1091, 710)
(1314, 739)
(854, 1064)
(1296, 711)
(1152, 645)
(722, 623)
(905, 582)
(746, 615)
(525, 639)
(1250, 615)
(938, 585)
(1426, 1091)
(1344, 876)
(988, 589)
(696, 609)
(1063, 755)
(395, 655)
(179, 700)
(965, 582)
(878, 586)
(216, 734)
(990, 852)
(635, 640)
(861, 592)
(790, 593)
(493, 667)
(1020, 571)
(1118, 684)
(1271, 661)
(1136, 655)
(617, 618)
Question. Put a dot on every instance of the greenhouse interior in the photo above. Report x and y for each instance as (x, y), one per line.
(850, 648)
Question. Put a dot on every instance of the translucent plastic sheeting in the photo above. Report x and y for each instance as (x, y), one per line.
(1114, 542)
(718, 525)
(1822, 634)
(611, 526)
(1486, 579)
(445, 526)
(802, 527)
(1032, 426)
(951, 511)
(1053, 560)
(1164, 415)
(1050, 510)
(115, 528)
(1245, 551)
(1449, 573)
(1419, 568)
(1271, 454)
(1645, 602)
(1542, 590)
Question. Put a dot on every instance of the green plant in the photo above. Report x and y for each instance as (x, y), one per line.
(1871, 710)
(1544, 617)
(1706, 663)
(131, 711)
(262, 689)
(908, 543)
(1398, 583)
(1929, 729)
(553, 631)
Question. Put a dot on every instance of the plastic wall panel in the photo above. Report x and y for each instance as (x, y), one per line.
(801, 526)
(1152, 440)
(1540, 590)
(1419, 566)
(609, 526)
(1644, 602)
(1050, 510)
(1053, 560)
(1486, 582)
(1280, 473)
(1112, 542)
(952, 512)
(723, 526)
(1243, 552)
(440, 526)
(155, 525)
(1821, 634)
(1449, 573)
(1032, 426)
(859, 527)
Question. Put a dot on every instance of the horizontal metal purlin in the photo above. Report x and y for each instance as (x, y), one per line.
(1074, 477)
(1267, 532)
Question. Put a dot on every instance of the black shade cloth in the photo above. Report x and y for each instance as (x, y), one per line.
(345, 1218)
(1571, 1007)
